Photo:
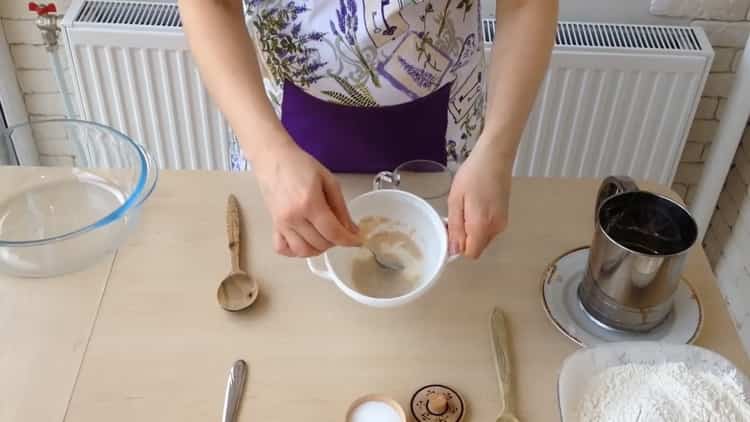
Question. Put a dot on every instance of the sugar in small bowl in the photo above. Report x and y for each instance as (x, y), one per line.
(375, 408)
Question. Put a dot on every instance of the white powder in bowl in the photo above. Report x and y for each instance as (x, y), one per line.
(375, 411)
(670, 392)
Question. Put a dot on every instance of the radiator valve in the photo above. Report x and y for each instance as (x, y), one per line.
(48, 22)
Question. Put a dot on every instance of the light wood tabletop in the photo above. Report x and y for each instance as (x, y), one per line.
(45, 326)
(161, 346)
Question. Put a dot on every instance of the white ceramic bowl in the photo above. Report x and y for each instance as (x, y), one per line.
(580, 367)
(415, 215)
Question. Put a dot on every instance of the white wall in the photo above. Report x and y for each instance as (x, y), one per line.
(33, 73)
(11, 98)
(621, 11)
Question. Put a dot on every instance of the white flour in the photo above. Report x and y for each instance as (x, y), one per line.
(669, 392)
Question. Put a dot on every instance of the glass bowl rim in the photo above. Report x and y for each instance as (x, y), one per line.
(131, 202)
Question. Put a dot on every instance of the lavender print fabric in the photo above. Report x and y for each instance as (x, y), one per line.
(376, 53)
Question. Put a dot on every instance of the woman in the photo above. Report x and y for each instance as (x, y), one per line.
(363, 85)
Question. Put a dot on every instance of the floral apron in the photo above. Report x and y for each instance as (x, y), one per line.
(364, 85)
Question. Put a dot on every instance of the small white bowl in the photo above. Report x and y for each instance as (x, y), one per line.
(580, 367)
(415, 216)
(376, 398)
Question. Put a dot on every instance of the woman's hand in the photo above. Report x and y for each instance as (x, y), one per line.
(308, 210)
(478, 202)
(309, 214)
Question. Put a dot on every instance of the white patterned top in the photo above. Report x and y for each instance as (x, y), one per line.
(370, 53)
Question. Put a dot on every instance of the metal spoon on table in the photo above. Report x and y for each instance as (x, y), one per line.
(238, 290)
(233, 394)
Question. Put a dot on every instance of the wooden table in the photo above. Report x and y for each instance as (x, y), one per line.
(45, 326)
(161, 346)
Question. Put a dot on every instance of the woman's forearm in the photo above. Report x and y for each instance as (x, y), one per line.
(229, 67)
(520, 56)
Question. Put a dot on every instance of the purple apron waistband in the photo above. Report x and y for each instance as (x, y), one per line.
(367, 139)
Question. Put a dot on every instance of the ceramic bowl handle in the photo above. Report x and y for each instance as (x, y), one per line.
(320, 272)
(385, 180)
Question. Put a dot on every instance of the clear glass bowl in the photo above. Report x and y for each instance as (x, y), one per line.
(76, 207)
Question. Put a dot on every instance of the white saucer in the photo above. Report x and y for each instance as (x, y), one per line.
(560, 297)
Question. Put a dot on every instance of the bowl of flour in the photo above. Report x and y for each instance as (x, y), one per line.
(652, 382)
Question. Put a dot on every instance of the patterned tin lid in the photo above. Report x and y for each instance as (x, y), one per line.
(437, 403)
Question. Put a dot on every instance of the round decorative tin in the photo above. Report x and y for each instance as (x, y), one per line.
(437, 403)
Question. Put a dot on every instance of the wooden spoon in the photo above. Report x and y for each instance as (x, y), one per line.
(238, 290)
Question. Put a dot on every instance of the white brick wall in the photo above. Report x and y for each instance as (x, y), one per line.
(703, 131)
(719, 84)
(21, 32)
(29, 56)
(707, 9)
(693, 152)
(689, 173)
(39, 81)
(33, 70)
(733, 199)
(728, 237)
(707, 108)
(736, 187)
(723, 59)
(18, 9)
(725, 34)
(742, 163)
(680, 189)
(45, 104)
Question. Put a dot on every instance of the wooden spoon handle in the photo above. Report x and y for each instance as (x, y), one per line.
(233, 231)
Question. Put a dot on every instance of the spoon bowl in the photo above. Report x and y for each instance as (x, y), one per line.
(385, 261)
(237, 291)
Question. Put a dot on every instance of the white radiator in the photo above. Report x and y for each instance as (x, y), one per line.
(133, 71)
(618, 98)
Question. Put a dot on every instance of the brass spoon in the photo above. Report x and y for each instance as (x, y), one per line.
(501, 349)
(238, 290)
